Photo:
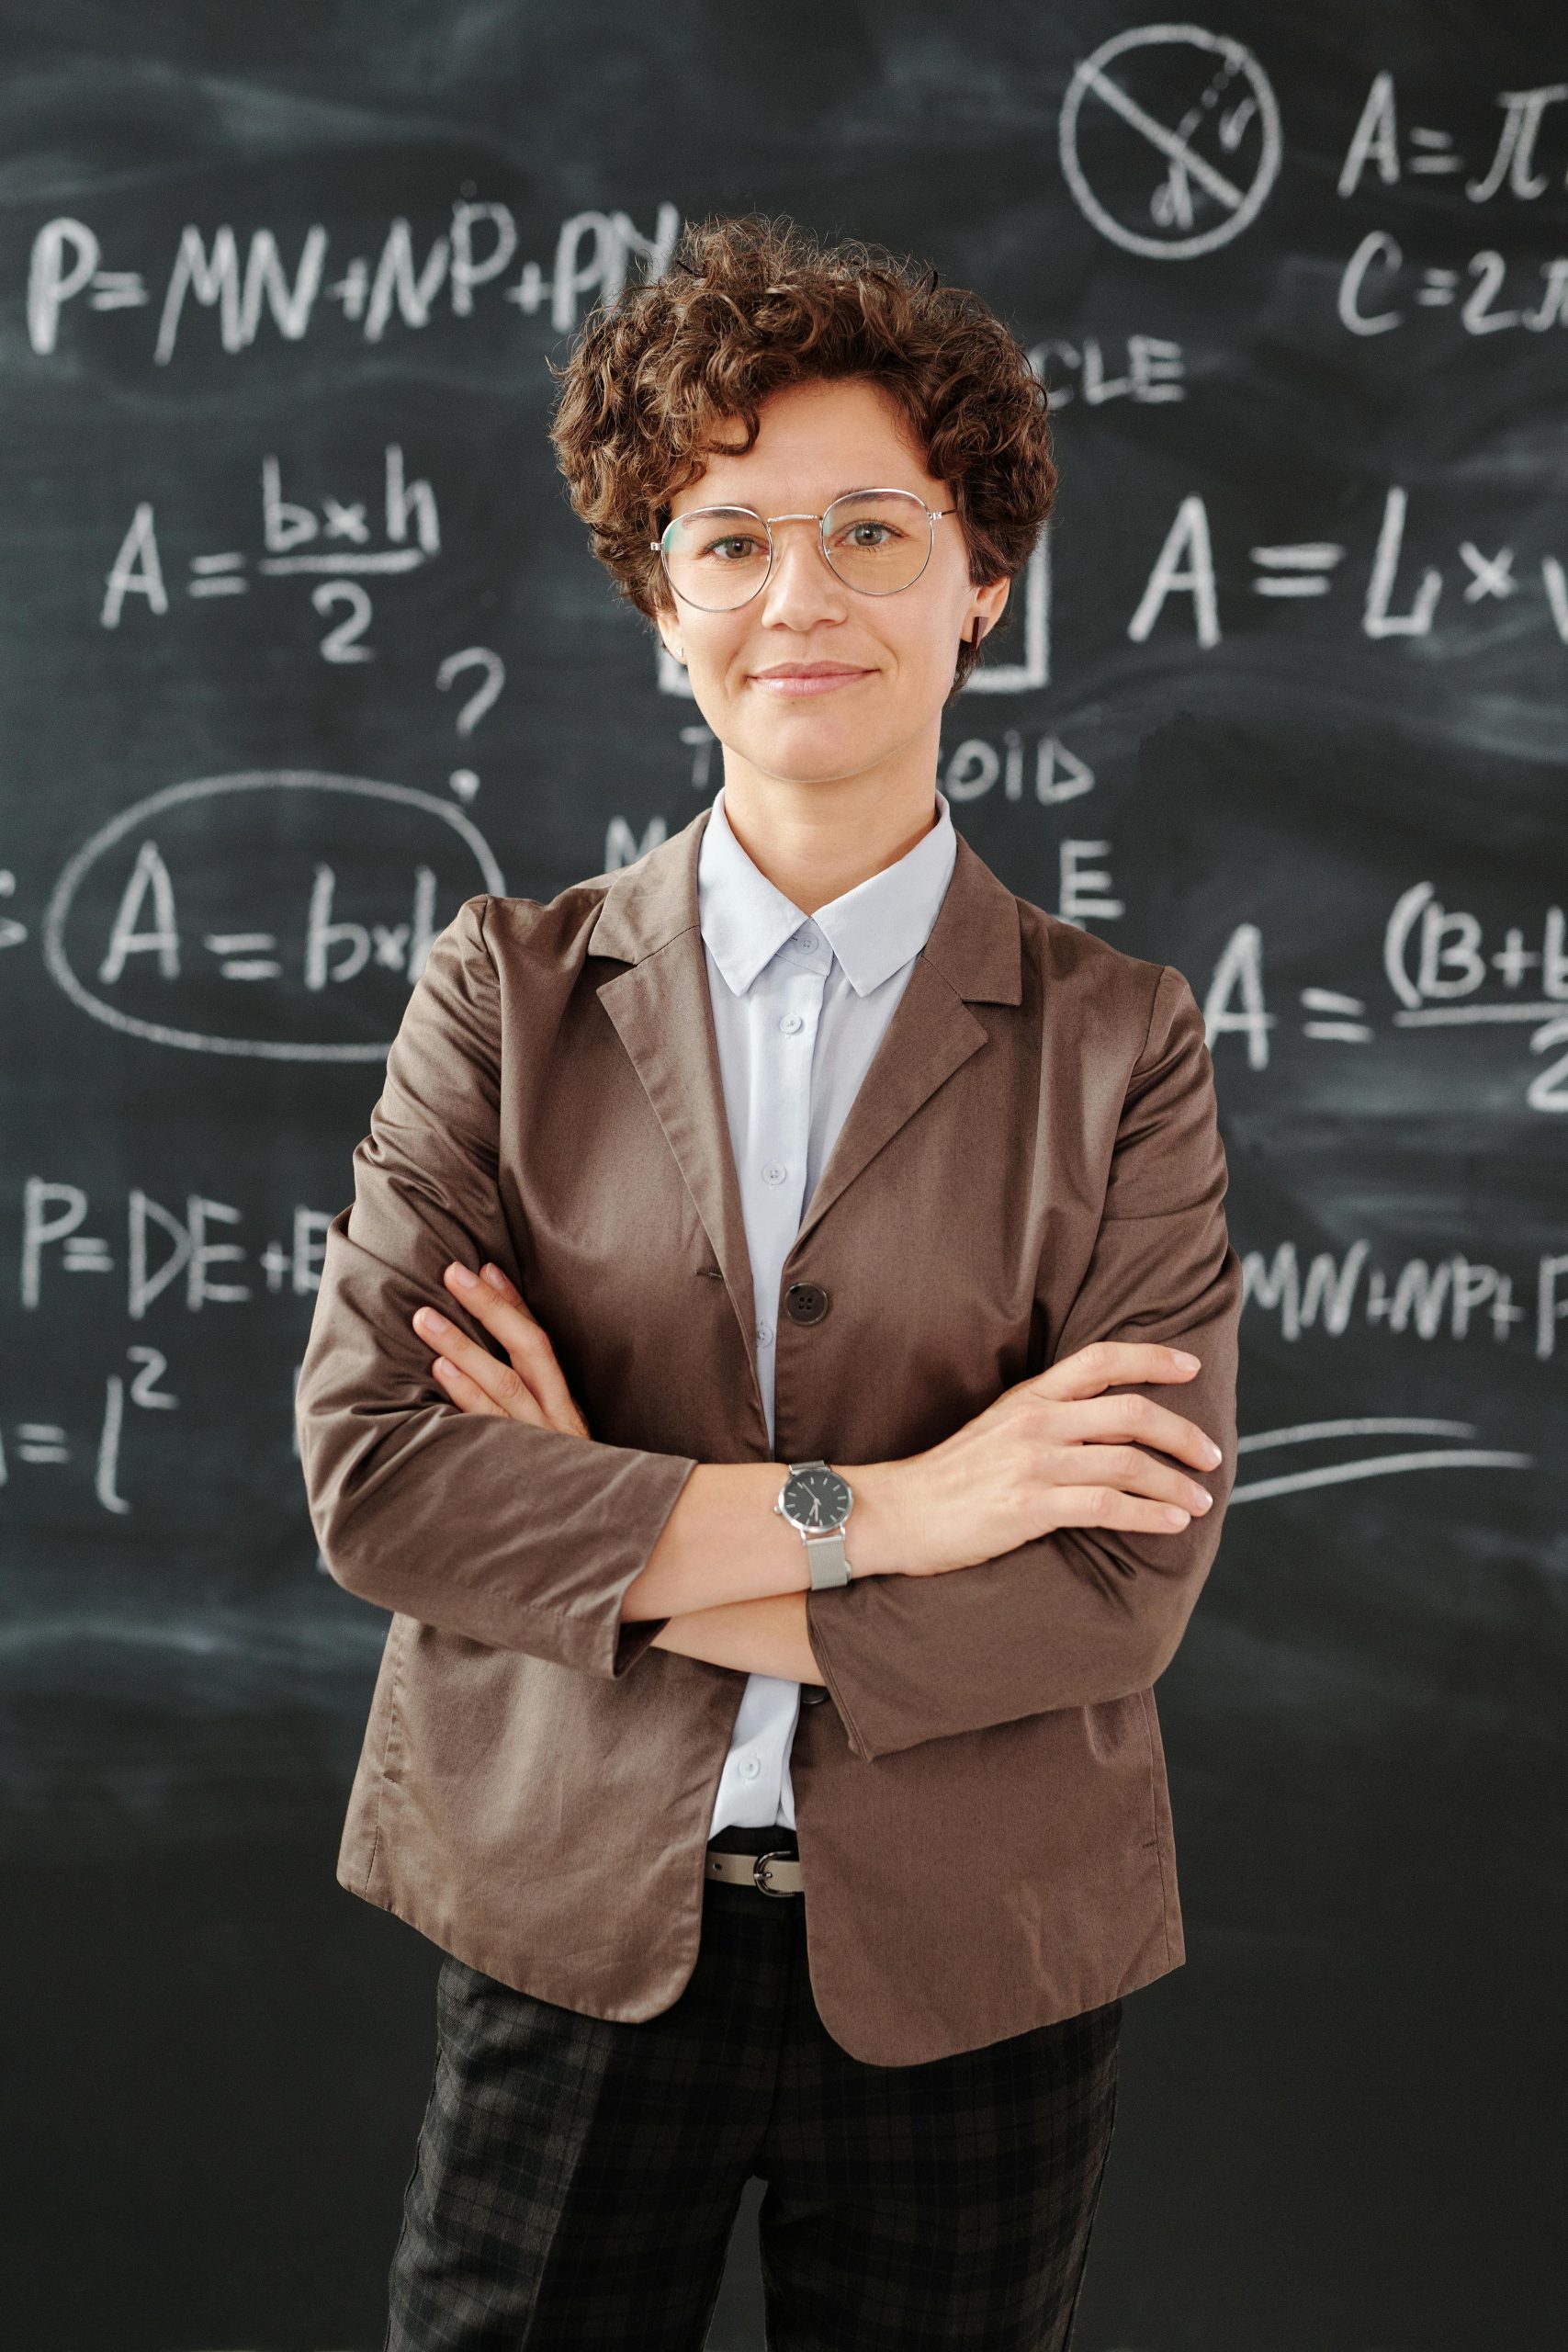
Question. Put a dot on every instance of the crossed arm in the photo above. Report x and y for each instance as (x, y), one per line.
(573, 1550)
(765, 1633)
(1081, 1614)
(765, 1636)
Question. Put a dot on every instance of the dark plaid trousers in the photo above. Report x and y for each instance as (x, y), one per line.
(577, 2178)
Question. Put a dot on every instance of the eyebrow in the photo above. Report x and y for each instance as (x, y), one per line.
(848, 491)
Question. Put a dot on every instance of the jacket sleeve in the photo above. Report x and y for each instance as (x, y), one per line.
(522, 1538)
(1083, 1614)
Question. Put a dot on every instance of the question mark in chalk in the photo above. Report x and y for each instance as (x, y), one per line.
(463, 781)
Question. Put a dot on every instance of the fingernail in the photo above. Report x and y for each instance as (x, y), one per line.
(1212, 1453)
(1208, 1498)
(462, 1277)
(1188, 1362)
(428, 1319)
(495, 1276)
(1174, 1517)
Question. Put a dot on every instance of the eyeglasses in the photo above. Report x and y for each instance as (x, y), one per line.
(875, 541)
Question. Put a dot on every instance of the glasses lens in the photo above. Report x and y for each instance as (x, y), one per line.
(877, 540)
(717, 556)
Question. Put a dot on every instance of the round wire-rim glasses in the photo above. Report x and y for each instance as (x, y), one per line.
(846, 498)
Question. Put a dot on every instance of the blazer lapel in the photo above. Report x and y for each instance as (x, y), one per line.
(972, 956)
(663, 1014)
(932, 1031)
(648, 919)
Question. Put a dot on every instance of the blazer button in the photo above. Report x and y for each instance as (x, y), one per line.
(813, 1694)
(805, 1302)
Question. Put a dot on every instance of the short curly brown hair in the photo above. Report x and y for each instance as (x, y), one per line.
(754, 303)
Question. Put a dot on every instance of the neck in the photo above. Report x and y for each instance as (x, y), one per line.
(815, 841)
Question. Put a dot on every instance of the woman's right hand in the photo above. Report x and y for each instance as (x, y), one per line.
(530, 1386)
(1059, 1450)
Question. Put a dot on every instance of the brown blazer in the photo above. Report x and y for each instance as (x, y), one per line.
(1033, 1162)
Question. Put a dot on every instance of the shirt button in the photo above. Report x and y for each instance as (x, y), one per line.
(764, 1334)
(750, 1768)
(789, 1022)
(806, 939)
(772, 1174)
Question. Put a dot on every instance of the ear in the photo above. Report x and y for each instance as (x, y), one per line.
(669, 627)
(987, 607)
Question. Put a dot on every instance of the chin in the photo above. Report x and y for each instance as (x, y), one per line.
(835, 766)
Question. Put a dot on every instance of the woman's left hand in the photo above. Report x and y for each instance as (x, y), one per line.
(530, 1386)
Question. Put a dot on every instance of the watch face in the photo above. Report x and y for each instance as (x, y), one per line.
(816, 1501)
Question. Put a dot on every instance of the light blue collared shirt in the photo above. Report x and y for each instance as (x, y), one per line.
(800, 1003)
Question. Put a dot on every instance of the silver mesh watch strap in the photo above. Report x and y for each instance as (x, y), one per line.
(824, 1558)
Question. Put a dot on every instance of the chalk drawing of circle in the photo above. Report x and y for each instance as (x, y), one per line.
(176, 796)
(1240, 204)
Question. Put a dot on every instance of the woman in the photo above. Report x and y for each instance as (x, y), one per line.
(782, 1522)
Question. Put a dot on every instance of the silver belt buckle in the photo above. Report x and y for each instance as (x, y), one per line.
(758, 1868)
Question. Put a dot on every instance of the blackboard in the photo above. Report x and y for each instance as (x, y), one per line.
(301, 646)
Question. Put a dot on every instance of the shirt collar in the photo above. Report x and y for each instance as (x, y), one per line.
(872, 930)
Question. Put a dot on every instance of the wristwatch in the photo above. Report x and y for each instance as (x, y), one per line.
(818, 1501)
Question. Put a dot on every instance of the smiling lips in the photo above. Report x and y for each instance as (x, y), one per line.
(791, 678)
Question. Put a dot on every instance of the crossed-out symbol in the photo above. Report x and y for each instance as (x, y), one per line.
(1190, 176)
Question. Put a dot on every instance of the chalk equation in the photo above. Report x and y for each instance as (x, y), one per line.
(1442, 973)
(1391, 605)
(1379, 148)
(330, 540)
(1379, 274)
(400, 282)
(167, 1252)
(47, 1445)
(141, 922)
(1454, 1298)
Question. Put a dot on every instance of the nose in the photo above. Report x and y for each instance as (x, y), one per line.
(802, 587)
